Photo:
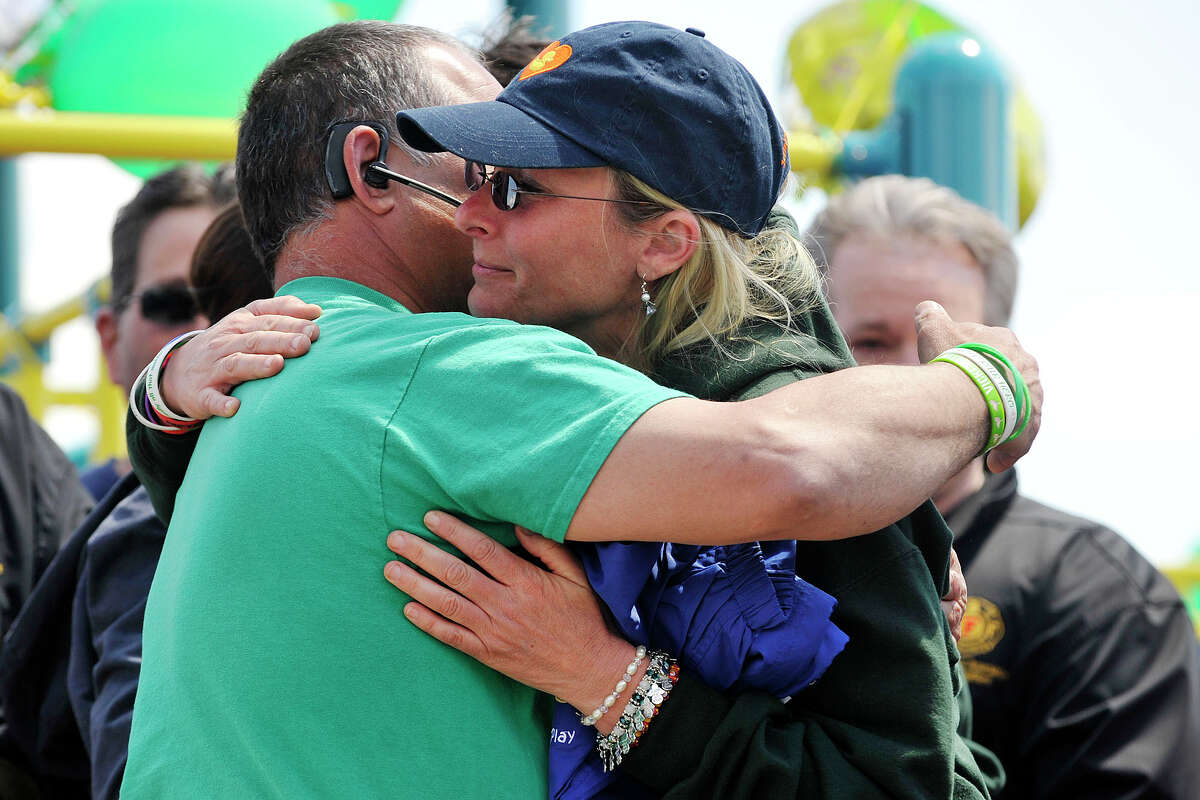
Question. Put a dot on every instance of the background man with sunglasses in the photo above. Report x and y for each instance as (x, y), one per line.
(152, 243)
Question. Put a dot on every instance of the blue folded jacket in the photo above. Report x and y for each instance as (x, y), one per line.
(736, 616)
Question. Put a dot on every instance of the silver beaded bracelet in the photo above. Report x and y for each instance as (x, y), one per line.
(661, 675)
(609, 701)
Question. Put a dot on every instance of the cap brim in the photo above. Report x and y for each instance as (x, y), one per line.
(492, 133)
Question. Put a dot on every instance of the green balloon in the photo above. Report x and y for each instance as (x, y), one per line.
(47, 35)
(185, 57)
(367, 9)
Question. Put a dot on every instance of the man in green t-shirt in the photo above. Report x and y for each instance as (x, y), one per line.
(276, 659)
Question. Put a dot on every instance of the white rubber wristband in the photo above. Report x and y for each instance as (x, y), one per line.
(137, 413)
(154, 377)
(996, 409)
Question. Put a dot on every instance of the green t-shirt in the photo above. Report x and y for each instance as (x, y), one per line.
(277, 661)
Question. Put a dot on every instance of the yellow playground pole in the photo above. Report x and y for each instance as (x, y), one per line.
(117, 135)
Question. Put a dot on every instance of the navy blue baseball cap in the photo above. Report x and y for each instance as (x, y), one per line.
(665, 105)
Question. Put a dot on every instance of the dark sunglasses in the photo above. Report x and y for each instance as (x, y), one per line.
(507, 190)
(168, 304)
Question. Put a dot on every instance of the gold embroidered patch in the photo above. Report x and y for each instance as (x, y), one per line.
(981, 673)
(982, 627)
(553, 57)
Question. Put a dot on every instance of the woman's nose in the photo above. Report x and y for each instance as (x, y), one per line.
(476, 216)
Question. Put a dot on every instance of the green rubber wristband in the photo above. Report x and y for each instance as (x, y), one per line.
(1017, 384)
(991, 395)
(1015, 381)
(995, 371)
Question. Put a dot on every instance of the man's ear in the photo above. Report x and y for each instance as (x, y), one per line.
(106, 327)
(670, 240)
(362, 147)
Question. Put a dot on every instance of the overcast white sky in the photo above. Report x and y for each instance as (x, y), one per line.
(1109, 270)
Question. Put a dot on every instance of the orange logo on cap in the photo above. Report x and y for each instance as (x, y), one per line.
(783, 161)
(553, 57)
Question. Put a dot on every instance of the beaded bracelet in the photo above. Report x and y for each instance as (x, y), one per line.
(609, 701)
(662, 673)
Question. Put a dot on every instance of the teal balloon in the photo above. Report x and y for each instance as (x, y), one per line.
(184, 57)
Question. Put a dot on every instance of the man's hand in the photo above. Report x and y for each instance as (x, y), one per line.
(541, 627)
(248, 344)
(937, 333)
(954, 604)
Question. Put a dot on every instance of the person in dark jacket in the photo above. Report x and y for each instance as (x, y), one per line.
(41, 502)
(41, 744)
(1081, 658)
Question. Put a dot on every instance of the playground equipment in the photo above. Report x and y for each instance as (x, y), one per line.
(22, 349)
(951, 123)
(890, 86)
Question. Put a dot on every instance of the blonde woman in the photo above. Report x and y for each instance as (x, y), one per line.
(622, 193)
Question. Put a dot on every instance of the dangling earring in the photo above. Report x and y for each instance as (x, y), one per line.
(647, 303)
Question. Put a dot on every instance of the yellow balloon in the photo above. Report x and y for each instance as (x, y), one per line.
(856, 46)
(842, 64)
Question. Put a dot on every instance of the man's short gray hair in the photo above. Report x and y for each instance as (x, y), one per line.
(895, 205)
(365, 70)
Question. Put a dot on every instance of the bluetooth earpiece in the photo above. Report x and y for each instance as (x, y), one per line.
(372, 177)
(335, 167)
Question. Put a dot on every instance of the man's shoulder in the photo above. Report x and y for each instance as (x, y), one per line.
(1046, 518)
(453, 329)
(401, 330)
(496, 348)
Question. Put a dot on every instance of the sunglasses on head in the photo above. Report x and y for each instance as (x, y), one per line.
(507, 190)
(168, 304)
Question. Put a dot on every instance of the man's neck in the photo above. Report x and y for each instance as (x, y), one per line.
(960, 487)
(354, 253)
